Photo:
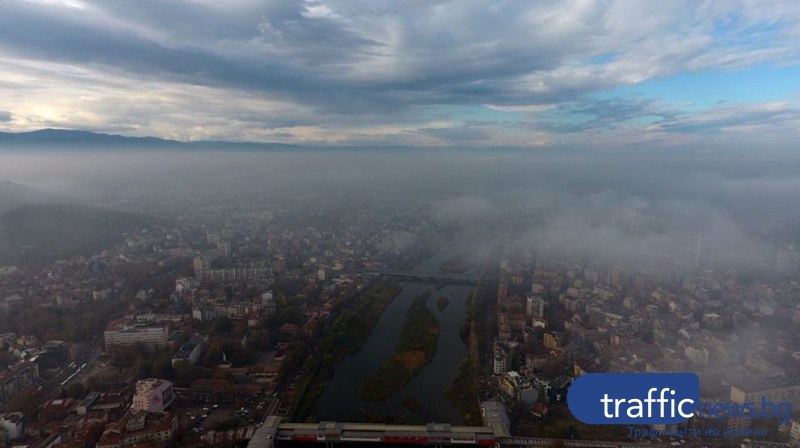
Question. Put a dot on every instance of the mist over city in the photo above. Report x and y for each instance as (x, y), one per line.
(608, 208)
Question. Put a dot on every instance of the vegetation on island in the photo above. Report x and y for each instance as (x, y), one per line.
(415, 349)
(442, 302)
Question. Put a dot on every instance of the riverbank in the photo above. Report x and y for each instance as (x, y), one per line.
(414, 350)
(463, 393)
(344, 337)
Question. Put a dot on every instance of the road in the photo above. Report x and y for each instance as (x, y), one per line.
(87, 354)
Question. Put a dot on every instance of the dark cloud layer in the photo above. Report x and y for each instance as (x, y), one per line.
(341, 72)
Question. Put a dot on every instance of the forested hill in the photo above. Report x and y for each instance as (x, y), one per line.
(14, 195)
(38, 234)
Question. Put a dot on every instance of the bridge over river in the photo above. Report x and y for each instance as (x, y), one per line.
(274, 433)
(427, 275)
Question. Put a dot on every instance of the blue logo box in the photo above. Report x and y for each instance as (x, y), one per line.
(634, 398)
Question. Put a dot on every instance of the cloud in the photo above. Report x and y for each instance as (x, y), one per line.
(611, 227)
(598, 114)
(5, 116)
(733, 118)
(456, 134)
(355, 66)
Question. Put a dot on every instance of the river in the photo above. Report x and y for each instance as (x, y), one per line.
(341, 400)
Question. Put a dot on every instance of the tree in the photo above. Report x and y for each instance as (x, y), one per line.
(162, 367)
(243, 357)
(185, 373)
(222, 325)
(76, 390)
(7, 359)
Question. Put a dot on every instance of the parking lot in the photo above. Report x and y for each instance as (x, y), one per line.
(203, 418)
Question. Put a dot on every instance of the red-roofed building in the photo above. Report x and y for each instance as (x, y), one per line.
(56, 409)
(153, 428)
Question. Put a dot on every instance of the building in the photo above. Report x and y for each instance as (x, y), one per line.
(500, 360)
(204, 313)
(224, 248)
(794, 431)
(140, 429)
(542, 385)
(19, 378)
(190, 352)
(582, 366)
(201, 263)
(596, 317)
(550, 340)
(152, 395)
(87, 403)
(119, 335)
(185, 284)
(230, 275)
(13, 424)
(514, 386)
(776, 390)
(54, 354)
(56, 409)
(558, 390)
(236, 309)
(534, 306)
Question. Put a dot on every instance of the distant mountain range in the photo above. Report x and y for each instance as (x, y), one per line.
(45, 138)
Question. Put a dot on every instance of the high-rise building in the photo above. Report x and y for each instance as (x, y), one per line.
(19, 378)
(535, 306)
(152, 395)
(500, 360)
(201, 263)
(514, 385)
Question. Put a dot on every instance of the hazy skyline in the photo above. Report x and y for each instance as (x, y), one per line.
(573, 74)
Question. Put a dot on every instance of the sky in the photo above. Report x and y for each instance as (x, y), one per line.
(561, 73)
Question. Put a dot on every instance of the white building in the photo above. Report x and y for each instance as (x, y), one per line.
(13, 425)
(150, 337)
(513, 385)
(794, 431)
(500, 360)
(152, 395)
(534, 306)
